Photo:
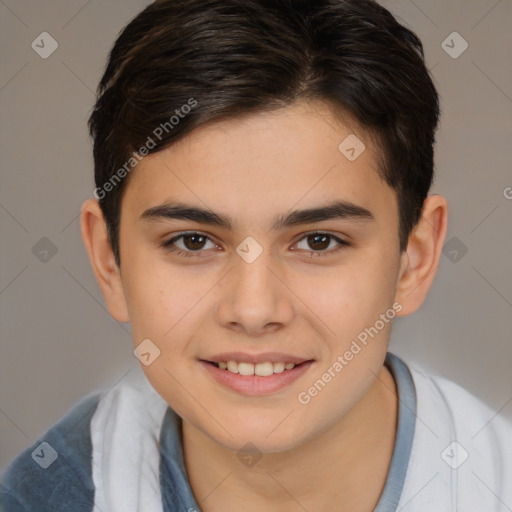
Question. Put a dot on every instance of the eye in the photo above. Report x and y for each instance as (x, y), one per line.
(188, 244)
(191, 244)
(319, 242)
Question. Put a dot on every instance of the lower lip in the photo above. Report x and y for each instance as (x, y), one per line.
(253, 385)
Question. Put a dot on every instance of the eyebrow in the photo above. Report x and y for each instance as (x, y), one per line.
(343, 210)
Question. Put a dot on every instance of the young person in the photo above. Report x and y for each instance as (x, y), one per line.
(261, 216)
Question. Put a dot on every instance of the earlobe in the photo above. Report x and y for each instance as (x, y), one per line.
(421, 259)
(101, 256)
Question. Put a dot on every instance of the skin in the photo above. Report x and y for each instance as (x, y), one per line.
(333, 453)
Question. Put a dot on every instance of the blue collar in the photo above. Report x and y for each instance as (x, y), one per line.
(406, 391)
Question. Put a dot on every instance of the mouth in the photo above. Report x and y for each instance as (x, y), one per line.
(255, 376)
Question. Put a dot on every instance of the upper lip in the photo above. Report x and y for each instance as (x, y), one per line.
(263, 357)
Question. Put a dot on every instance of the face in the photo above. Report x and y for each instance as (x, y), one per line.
(260, 281)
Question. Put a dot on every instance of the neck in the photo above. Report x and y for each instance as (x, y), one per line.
(343, 469)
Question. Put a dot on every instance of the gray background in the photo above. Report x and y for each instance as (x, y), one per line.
(58, 341)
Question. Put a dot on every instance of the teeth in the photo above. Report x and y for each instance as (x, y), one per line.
(245, 368)
(259, 369)
(264, 369)
(279, 367)
(232, 366)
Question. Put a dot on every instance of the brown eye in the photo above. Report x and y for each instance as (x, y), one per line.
(189, 244)
(320, 242)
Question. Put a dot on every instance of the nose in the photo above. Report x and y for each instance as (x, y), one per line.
(255, 298)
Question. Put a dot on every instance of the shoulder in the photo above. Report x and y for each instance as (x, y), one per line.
(80, 463)
(56, 470)
(446, 402)
(462, 449)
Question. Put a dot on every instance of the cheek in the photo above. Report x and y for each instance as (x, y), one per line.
(350, 297)
(351, 306)
(166, 308)
(169, 306)
(156, 298)
(159, 306)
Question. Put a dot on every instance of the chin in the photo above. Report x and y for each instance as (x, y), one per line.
(266, 439)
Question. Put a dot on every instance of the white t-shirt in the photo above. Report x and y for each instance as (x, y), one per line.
(461, 456)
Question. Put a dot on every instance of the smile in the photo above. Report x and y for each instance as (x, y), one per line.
(255, 378)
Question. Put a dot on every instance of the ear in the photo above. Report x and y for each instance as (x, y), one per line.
(96, 241)
(420, 260)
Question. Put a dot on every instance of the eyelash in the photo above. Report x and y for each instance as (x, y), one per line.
(169, 244)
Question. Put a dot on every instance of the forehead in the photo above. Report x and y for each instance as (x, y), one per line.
(260, 165)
